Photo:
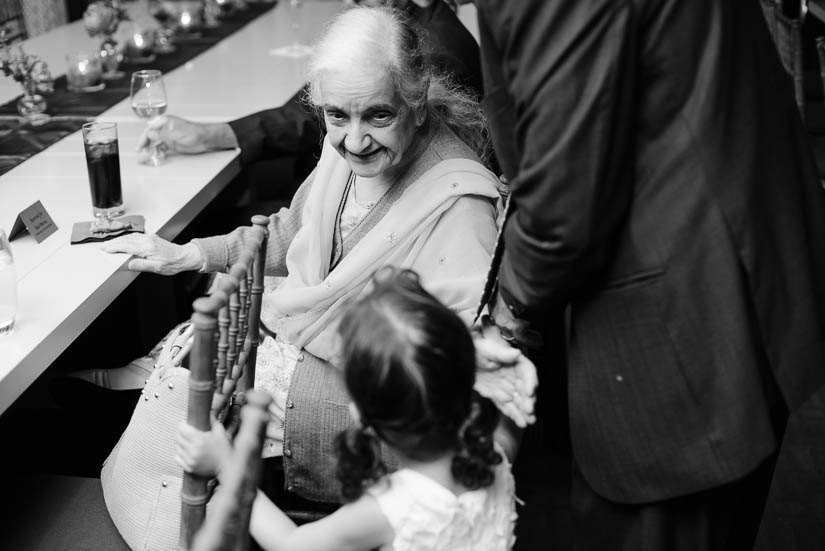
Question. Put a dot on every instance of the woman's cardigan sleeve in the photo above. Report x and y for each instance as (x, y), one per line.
(220, 252)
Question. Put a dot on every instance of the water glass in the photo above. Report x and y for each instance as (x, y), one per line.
(103, 163)
(296, 49)
(148, 102)
(8, 287)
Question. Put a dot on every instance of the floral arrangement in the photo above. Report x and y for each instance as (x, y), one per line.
(103, 17)
(27, 69)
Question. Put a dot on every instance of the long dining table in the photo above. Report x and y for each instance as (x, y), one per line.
(61, 287)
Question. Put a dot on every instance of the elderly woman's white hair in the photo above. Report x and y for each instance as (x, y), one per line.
(384, 39)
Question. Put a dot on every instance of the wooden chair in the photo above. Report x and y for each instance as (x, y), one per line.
(71, 512)
(222, 360)
(227, 365)
(226, 528)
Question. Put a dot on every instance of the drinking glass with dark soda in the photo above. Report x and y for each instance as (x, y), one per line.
(103, 163)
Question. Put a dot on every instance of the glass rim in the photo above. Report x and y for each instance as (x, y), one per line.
(98, 125)
(147, 73)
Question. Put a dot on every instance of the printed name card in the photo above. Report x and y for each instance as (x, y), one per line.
(36, 221)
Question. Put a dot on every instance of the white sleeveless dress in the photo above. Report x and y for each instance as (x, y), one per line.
(426, 516)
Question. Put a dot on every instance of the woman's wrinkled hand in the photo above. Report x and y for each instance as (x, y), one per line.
(202, 453)
(507, 377)
(156, 255)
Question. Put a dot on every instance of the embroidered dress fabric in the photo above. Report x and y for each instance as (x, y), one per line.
(276, 362)
(426, 516)
(353, 213)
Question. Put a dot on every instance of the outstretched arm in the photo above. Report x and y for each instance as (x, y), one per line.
(291, 129)
(355, 526)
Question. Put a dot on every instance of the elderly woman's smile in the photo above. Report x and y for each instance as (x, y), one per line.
(367, 123)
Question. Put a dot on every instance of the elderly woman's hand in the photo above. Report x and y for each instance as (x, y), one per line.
(178, 135)
(153, 254)
(507, 377)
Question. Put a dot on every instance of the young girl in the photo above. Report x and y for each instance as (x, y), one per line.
(409, 366)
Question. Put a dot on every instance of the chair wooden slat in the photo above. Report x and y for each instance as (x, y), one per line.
(223, 346)
(220, 345)
(227, 526)
(194, 493)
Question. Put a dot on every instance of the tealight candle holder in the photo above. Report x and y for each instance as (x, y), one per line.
(139, 46)
(211, 13)
(84, 72)
(189, 19)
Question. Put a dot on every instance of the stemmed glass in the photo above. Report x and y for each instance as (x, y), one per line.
(148, 102)
(296, 49)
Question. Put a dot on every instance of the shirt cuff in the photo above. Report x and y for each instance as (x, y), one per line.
(514, 330)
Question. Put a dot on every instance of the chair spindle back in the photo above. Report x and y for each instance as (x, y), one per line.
(227, 526)
(222, 359)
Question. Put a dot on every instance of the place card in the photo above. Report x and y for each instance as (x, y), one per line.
(36, 221)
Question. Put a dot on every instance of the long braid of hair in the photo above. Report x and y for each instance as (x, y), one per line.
(359, 461)
(475, 458)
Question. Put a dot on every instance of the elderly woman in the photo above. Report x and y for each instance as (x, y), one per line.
(399, 181)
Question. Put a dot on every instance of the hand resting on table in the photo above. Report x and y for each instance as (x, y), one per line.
(156, 255)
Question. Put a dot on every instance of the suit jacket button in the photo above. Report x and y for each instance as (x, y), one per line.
(290, 404)
(287, 453)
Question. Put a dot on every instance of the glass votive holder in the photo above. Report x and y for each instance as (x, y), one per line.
(189, 19)
(84, 72)
(140, 45)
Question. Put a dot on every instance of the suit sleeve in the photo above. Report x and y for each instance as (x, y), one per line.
(568, 73)
(292, 129)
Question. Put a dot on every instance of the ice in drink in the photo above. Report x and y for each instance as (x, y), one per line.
(103, 164)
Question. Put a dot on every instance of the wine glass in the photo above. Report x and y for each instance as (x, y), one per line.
(296, 49)
(148, 102)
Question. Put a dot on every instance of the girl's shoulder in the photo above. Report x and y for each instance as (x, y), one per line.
(426, 515)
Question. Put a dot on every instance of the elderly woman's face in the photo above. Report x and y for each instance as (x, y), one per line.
(367, 123)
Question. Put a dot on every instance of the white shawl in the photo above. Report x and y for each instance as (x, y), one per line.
(308, 303)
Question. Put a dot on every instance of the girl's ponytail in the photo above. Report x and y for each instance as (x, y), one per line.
(475, 458)
(359, 461)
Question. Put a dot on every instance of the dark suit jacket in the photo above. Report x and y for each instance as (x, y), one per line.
(664, 192)
(295, 129)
